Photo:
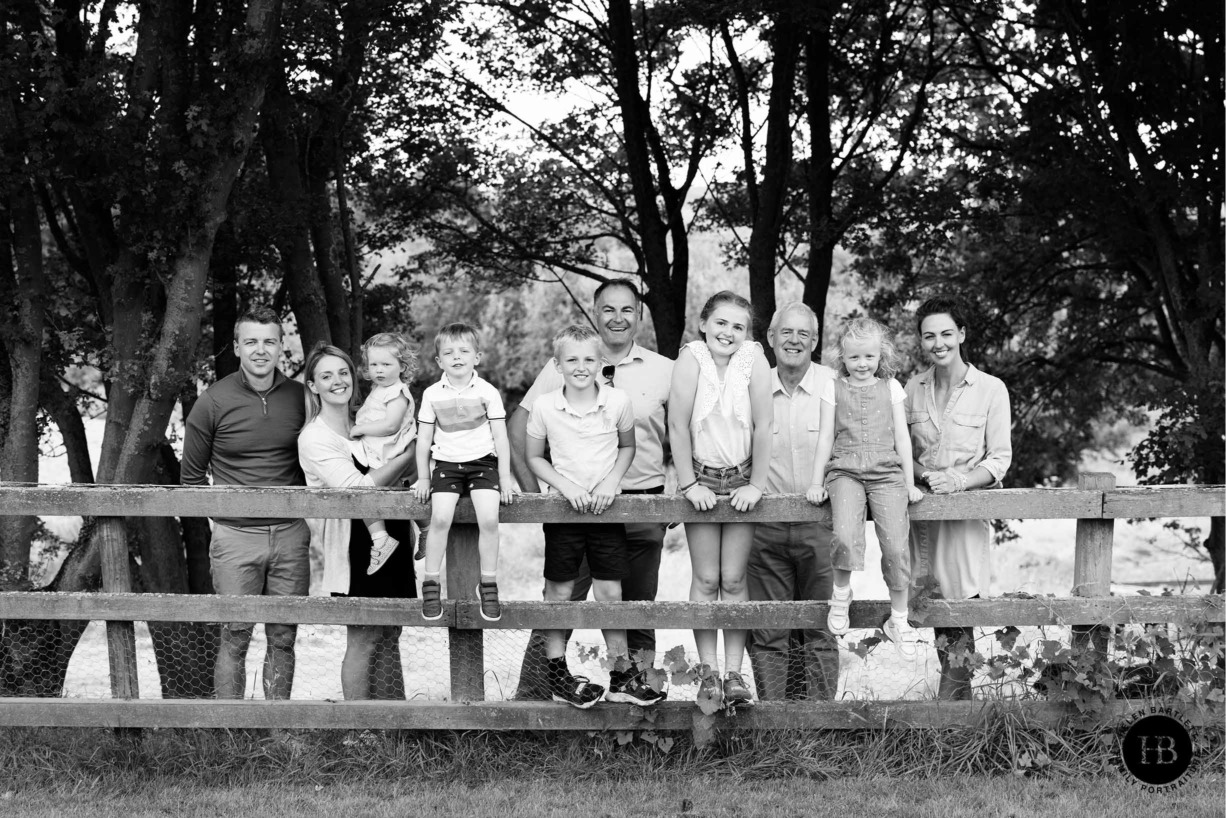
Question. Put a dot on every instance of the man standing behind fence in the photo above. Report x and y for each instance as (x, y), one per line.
(791, 561)
(645, 376)
(244, 429)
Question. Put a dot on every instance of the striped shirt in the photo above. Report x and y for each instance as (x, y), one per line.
(461, 418)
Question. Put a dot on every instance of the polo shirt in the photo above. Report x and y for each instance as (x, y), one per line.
(582, 444)
(646, 377)
(461, 418)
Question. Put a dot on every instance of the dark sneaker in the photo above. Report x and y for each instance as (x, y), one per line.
(420, 553)
(379, 554)
(735, 690)
(577, 691)
(431, 600)
(491, 608)
(631, 689)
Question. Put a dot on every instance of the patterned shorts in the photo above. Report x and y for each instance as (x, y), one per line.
(461, 478)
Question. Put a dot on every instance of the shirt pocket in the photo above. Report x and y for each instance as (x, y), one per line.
(966, 431)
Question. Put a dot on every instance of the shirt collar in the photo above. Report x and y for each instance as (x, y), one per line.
(929, 375)
(807, 382)
(561, 403)
(447, 383)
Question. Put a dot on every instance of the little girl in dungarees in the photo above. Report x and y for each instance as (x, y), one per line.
(864, 457)
(719, 418)
(384, 423)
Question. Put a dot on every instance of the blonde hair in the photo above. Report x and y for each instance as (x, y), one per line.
(866, 329)
(575, 333)
(402, 351)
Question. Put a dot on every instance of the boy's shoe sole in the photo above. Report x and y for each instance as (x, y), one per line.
(583, 694)
(481, 605)
(635, 692)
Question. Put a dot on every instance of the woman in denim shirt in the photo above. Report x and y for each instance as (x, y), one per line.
(959, 422)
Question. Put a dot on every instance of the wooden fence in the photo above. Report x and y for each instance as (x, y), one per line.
(1096, 503)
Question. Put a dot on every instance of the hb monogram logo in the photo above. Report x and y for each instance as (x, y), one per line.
(1157, 749)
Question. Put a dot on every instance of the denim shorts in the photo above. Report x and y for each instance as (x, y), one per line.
(722, 480)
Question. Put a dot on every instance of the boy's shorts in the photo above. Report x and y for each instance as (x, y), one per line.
(461, 478)
(603, 543)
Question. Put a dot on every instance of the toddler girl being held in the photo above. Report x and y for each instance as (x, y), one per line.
(864, 459)
(384, 423)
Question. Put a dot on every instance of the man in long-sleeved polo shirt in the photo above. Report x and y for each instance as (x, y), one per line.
(244, 430)
(791, 561)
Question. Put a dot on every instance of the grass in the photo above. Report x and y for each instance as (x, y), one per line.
(1011, 768)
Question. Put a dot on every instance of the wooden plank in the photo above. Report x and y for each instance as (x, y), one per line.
(1189, 609)
(419, 715)
(120, 634)
(1094, 544)
(1165, 501)
(465, 646)
(388, 503)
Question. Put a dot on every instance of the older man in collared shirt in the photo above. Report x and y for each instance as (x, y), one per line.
(791, 561)
(645, 376)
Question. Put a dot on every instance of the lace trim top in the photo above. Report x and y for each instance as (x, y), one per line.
(735, 385)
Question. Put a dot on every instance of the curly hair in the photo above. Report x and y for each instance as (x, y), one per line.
(866, 329)
(401, 349)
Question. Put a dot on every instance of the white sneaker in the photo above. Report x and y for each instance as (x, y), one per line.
(837, 621)
(904, 637)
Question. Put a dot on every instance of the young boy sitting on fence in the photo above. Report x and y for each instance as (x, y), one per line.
(589, 429)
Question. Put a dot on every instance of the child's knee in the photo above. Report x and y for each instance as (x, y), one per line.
(707, 583)
(732, 582)
(558, 591)
(607, 590)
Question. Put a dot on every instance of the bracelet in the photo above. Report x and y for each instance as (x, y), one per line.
(958, 479)
(688, 486)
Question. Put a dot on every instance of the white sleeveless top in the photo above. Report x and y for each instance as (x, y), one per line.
(721, 428)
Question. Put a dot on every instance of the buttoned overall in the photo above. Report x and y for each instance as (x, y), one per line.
(866, 471)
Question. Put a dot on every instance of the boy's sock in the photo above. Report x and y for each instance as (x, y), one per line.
(488, 577)
(428, 577)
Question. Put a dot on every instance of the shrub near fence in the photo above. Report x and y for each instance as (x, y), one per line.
(1095, 504)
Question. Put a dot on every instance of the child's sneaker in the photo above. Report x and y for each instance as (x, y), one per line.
(491, 608)
(904, 637)
(577, 691)
(379, 553)
(628, 687)
(420, 553)
(431, 600)
(837, 621)
(736, 692)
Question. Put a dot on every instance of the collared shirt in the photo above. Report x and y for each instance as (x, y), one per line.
(645, 376)
(461, 416)
(972, 431)
(795, 430)
(582, 443)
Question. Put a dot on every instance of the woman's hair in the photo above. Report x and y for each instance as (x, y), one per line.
(941, 305)
(401, 351)
(866, 329)
(726, 297)
(319, 351)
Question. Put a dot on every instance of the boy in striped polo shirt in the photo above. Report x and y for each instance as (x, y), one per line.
(462, 424)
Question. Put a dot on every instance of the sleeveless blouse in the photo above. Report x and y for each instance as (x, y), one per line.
(721, 428)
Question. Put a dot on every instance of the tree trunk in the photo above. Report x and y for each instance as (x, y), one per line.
(333, 277)
(67, 416)
(820, 176)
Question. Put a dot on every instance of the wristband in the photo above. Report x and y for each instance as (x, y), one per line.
(958, 479)
(688, 486)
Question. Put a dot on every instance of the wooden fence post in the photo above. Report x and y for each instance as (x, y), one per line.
(117, 579)
(467, 645)
(1092, 558)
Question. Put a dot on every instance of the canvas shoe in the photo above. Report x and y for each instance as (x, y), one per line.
(904, 637)
(431, 600)
(837, 621)
(379, 553)
(735, 690)
(577, 691)
(491, 608)
(631, 689)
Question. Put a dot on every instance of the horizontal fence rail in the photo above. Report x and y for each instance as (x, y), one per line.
(1096, 503)
(385, 503)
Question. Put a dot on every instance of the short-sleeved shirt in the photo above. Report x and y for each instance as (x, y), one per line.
(582, 444)
(645, 376)
(461, 418)
(382, 448)
(795, 429)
